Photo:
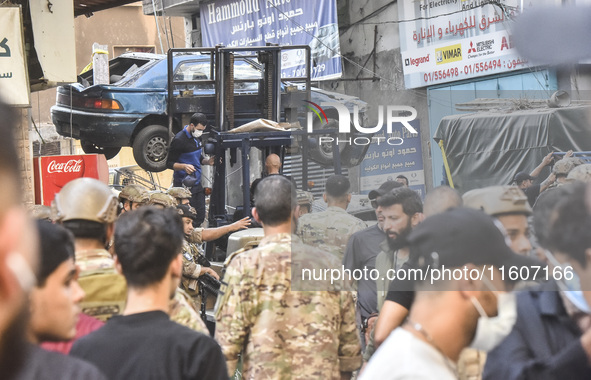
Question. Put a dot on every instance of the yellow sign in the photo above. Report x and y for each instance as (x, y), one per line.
(448, 54)
(14, 81)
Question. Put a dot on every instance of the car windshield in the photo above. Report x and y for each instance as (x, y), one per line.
(153, 74)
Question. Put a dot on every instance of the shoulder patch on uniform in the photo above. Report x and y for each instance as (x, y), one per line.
(188, 256)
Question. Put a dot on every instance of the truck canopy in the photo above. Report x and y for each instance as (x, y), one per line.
(489, 148)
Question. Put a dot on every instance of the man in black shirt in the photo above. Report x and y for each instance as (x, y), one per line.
(144, 343)
(362, 249)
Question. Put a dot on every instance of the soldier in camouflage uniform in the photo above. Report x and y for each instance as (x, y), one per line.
(194, 263)
(305, 200)
(330, 230)
(284, 334)
(88, 208)
(160, 199)
(130, 195)
(181, 194)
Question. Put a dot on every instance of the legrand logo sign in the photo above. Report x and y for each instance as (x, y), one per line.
(448, 54)
(416, 61)
(391, 115)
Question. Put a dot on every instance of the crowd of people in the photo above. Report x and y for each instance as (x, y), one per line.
(494, 284)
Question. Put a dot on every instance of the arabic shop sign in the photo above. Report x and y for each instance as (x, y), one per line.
(237, 23)
(456, 39)
(385, 161)
(14, 81)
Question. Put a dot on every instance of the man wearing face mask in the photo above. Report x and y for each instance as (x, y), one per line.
(185, 157)
(444, 318)
(552, 335)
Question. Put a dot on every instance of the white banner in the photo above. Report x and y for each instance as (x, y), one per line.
(450, 40)
(14, 81)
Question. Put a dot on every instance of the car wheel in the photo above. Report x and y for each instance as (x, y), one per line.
(90, 148)
(150, 148)
(322, 152)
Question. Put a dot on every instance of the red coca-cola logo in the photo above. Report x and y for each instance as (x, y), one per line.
(62, 170)
(70, 166)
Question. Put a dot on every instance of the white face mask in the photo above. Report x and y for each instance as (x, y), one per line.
(490, 331)
(570, 287)
(197, 133)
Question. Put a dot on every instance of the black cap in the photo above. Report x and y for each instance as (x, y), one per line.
(463, 236)
(383, 189)
(187, 211)
(522, 176)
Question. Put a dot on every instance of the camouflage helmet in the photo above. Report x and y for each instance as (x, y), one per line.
(132, 192)
(160, 198)
(180, 192)
(564, 166)
(304, 197)
(85, 199)
(498, 200)
(580, 173)
(187, 211)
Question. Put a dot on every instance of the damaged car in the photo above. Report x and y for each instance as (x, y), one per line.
(132, 109)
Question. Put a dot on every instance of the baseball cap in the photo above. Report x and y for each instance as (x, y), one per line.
(497, 200)
(383, 189)
(563, 31)
(463, 236)
(522, 176)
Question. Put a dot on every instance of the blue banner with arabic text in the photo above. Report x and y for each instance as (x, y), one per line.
(236, 23)
(391, 155)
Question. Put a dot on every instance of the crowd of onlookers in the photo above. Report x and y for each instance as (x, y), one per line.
(105, 286)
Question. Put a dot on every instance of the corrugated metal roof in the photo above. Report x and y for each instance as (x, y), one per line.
(83, 7)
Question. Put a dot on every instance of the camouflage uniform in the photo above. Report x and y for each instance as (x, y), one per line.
(109, 298)
(196, 236)
(329, 230)
(106, 290)
(284, 334)
(183, 311)
(191, 268)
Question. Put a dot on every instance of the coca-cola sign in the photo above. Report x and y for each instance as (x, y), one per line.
(53, 172)
(70, 166)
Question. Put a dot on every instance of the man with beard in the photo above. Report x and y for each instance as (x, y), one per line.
(362, 249)
(18, 253)
(402, 210)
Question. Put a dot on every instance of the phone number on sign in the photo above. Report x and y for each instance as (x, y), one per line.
(474, 68)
